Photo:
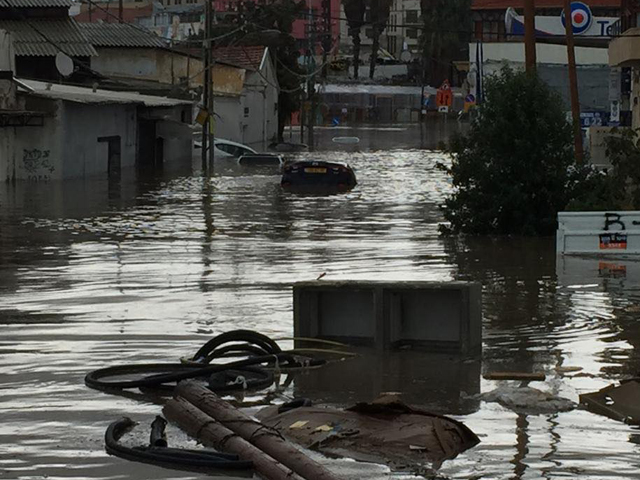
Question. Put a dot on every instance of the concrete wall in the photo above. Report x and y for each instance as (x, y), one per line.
(228, 120)
(153, 64)
(127, 62)
(174, 68)
(227, 80)
(545, 53)
(610, 233)
(260, 97)
(176, 134)
(82, 154)
(427, 315)
(7, 64)
(34, 153)
(592, 67)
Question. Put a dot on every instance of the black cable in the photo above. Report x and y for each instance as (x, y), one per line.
(168, 457)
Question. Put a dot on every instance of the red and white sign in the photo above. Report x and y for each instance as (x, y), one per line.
(444, 96)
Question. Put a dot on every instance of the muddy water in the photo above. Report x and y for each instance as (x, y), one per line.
(93, 274)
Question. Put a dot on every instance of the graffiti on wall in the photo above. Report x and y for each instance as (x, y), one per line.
(37, 164)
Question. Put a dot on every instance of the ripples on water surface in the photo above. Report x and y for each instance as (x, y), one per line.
(93, 274)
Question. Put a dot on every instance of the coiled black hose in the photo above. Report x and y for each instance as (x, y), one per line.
(245, 374)
(169, 457)
(255, 343)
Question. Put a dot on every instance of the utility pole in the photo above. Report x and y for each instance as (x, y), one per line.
(530, 35)
(311, 82)
(120, 11)
(210, 107)
(573, 83)
(206, 54)
(327, 39)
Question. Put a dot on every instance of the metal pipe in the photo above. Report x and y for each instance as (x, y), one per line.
(573, 83)
(212, 434)
(266, 439)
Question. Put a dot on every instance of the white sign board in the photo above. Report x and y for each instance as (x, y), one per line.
(603, 233)
(443, 109)
(615, 81)
(615, 112)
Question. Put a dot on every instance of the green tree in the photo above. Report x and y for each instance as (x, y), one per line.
(514, 169)
(445, 36)
(354, 10)
(271, 24)
(618, 187)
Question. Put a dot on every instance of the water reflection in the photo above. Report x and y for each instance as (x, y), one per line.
(91, 276)
(437, 382)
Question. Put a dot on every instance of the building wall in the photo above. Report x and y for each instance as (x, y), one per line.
(175, 130)
(259, 106)
(545, 53)
(228, 121)
(592, 67)
(635, 98)
(174, 68)
(33, 153)
(148, 64)
(83, 155)
(127, 62)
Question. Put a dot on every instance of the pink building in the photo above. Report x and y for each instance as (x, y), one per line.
(320, 11)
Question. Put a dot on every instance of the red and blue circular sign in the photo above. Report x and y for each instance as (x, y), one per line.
(581, 17)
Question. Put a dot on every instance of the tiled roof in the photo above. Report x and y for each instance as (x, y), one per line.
(247, 57)
(34, 3)
(504, 4)
(46, 37)
(120, 35)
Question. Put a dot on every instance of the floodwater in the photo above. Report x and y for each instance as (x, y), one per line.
(146, 270)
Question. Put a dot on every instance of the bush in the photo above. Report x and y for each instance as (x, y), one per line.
(514, 169)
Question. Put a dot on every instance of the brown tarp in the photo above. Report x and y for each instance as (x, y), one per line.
(620, 403)
(386, 430)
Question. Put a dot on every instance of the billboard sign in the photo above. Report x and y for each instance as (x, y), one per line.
(584, 23)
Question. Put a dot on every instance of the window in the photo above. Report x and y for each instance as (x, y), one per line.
(478, 28)
(412, 33)
(246, 112)
(412, 16)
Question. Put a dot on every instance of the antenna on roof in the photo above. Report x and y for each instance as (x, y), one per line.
(64, 64)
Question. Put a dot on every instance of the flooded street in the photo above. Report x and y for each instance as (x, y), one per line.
(146, 270)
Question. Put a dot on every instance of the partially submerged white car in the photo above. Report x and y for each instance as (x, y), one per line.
(226, 148)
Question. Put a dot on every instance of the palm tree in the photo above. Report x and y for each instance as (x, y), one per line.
(447, 29)
(379, 15)
(355, 10)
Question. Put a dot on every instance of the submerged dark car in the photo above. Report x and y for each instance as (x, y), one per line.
(313, 174)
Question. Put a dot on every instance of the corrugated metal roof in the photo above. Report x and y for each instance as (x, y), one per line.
(248, 57)
(120, 35)
(42, 37)
(84, 95)
(35, 3)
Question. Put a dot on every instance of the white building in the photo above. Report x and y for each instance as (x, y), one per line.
(246, 92)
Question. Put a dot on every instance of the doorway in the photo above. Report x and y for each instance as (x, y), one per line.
(114, 157)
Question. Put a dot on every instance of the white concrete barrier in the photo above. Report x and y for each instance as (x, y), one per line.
(598, 232)
(445, 317)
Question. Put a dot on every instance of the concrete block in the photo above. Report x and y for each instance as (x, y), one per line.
(603, 233)
(440, 317)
